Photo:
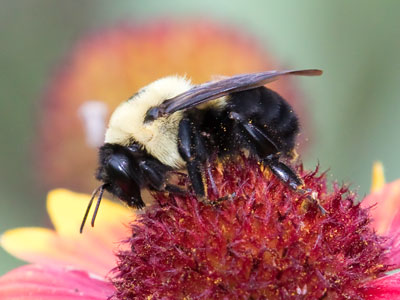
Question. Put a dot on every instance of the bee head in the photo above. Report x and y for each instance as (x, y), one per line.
(119, 171)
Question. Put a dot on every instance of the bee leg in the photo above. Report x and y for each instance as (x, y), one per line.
(191, 148)
(283, 172)
(290, 178)
(174, 189)
(154, 173)
(263, 145)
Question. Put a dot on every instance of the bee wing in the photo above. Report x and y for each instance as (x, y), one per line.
(215, 89)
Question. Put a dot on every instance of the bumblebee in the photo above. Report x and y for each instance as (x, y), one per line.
(173, 125)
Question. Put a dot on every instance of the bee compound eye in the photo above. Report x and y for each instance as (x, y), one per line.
(152, 114)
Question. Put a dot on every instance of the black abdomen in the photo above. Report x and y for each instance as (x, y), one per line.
(264, 123)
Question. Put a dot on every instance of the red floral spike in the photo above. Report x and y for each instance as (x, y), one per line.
(264, 242)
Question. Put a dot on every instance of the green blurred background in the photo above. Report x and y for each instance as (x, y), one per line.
(353, 108)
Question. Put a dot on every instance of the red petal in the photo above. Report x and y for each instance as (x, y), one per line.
(385, 208)
(387, 287)
(33, 282)
(385, 213)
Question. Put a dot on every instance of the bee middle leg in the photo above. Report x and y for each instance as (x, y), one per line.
(193, 150)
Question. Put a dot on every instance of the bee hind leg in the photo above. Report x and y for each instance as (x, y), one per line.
(263, 145)
(283, 172)
(290, 178)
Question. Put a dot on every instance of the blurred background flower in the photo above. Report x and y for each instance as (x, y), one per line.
(353, 108)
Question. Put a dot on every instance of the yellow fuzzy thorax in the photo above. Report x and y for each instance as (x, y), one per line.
(159, 138)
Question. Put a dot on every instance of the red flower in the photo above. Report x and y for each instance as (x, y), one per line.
(53, 283)
(266, 242)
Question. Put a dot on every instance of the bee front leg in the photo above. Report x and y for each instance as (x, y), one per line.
(155, 173)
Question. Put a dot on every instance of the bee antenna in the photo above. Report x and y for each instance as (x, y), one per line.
(89, 206)
(97, 204)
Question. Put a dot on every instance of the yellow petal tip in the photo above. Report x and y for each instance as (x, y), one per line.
(378, 177)
(66, 209)
(20, 241)
(7, 239)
